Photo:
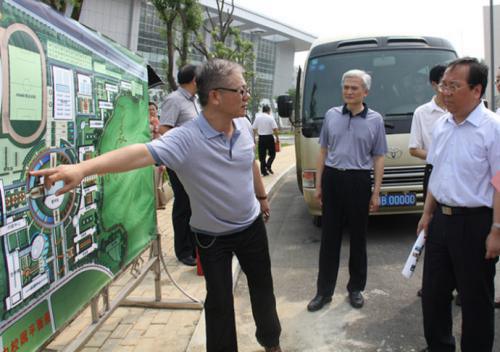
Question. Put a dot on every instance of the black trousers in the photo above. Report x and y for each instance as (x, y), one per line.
(455, 250)
(181, 214)
(216, 253)
(346, 198)
(266, 147)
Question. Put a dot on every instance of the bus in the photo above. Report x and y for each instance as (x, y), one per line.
(399, 66)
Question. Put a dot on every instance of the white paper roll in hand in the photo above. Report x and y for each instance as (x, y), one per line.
(415, 253)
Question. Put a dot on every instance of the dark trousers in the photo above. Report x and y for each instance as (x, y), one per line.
(266, 147)
(346, 197)
(181, 214)
(251, 248)
(455, 250)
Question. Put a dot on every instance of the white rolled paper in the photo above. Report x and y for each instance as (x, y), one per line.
(415, 253)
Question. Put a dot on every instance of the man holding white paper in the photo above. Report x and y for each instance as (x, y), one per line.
(457, 218)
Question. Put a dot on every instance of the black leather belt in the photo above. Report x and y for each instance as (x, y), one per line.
(346, 170)
(448, 210)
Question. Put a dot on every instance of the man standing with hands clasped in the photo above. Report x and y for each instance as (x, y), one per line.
(352, 142)
(457, 217)
(214, 158)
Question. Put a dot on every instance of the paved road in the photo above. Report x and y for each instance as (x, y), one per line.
(391, 319)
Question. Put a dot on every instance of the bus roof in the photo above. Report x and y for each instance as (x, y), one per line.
(327, 45)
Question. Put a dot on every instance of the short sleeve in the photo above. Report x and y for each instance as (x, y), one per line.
(416, 131)
(169, 113)
(380, 141)
(172, 149)
(274, 123)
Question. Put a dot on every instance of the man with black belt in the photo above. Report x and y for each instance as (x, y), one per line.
(178, 108)
(264, 126)
(352, 142)
(457, 217)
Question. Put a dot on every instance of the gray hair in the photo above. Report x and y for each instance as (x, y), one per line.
(213, 74)
(365, 77)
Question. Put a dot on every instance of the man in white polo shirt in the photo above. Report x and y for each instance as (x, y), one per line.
(264, 126)
(213, 155)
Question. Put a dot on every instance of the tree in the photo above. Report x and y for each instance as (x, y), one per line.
(73, 6)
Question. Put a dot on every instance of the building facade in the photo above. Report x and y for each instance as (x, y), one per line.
(136, 25)
(494, 66)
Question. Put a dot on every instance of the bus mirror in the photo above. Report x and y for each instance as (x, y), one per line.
(285, 106)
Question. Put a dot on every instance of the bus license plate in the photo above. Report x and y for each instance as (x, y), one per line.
(398, 199)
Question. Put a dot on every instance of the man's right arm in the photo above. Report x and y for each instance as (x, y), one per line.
(124, 159)
(416, 138)
(320, 166)
(429, 207)
(418, 153)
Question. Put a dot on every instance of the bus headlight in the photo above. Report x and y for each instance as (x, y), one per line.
(309, 179)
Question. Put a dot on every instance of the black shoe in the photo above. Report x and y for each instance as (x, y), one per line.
(270, 171)
(497, 304)
(273, 349)
(356, 299)
(318, 302)
(265, 174)
(189, 261)
(419, 293)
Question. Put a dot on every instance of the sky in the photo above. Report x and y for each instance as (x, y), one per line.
(459, 21)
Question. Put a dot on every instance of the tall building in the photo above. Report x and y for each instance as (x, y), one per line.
(136, 25)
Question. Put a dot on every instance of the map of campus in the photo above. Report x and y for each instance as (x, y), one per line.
(64, 100)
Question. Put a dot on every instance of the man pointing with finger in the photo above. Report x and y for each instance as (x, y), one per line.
(213, 155)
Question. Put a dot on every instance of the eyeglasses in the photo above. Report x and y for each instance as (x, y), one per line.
(243, 90)
(451, 87)
(497, 81)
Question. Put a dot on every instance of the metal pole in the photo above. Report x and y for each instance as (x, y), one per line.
(492, 49)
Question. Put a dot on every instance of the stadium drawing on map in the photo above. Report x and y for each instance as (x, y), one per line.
(64, 99)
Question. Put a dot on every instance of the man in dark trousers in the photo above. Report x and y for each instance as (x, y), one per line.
(178, 108)
(457, 217)
(214, 157)
(265, 126)
(352, 142)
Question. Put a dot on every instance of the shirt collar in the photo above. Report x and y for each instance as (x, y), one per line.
(435, 106)
(209, 132)
(186, 94)
(475, 117)
(362, 114)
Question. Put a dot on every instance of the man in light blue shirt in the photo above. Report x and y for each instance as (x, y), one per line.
(457, 217)
(214, 158)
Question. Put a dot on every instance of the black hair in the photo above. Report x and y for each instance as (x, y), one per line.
(266, 108)
(154, 104)
(436, 73)
(478, 72)
(186, 74)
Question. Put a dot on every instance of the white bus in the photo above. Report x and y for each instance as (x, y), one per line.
(399, 66)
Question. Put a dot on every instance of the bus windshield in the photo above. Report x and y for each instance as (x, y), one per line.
(399, 82)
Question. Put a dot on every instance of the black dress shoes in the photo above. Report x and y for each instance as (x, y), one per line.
(189, 261)
(318, 302)
(273, 349)
(356, 299)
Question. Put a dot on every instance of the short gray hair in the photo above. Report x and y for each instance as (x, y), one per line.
(213, 74)
(365, 77)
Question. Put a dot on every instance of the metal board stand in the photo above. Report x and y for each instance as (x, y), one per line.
(139, 271)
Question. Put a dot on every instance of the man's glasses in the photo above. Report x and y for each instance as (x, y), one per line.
(451, 87)
(497, 81)
(243, 90)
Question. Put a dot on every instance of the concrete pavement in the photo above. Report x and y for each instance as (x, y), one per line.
(144, 329)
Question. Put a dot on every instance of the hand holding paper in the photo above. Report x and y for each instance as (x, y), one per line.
(415, 253)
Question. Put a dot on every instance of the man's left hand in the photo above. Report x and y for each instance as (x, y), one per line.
(265, 209)
(493, 244)
(374, 202)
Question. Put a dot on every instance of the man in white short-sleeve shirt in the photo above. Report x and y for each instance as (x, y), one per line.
(264, 126)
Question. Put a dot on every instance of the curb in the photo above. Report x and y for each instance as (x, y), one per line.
(199, 331)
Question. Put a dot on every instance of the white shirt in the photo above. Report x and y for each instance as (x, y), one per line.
(424, 118)
(465, 158)
(264, 124)
(498, 111)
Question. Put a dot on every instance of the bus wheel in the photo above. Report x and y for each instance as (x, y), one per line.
(317, 221)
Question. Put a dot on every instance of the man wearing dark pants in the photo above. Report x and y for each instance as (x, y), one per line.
(352, 142)
(264, 126)
(178, 108)
(215, 160)
(457, 217)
